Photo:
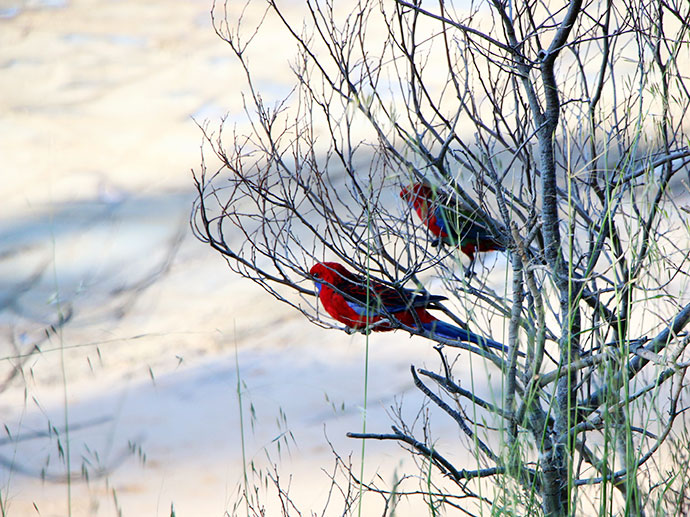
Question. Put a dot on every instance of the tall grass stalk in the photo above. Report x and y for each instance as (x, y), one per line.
(239, 403)
(366, 361)
(63, 371)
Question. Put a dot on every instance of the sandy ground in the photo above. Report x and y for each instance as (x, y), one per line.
(97, 139)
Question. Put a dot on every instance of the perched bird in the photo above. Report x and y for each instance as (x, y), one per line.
(360, 306)
(449, 222)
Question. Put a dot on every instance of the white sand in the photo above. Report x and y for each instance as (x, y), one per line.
(96, 144)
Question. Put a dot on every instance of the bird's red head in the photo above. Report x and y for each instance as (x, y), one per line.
(329, 272)
(416, 192)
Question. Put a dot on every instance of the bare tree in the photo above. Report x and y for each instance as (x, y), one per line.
(558, 125)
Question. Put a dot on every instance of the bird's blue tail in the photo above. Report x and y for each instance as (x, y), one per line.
(451, 332)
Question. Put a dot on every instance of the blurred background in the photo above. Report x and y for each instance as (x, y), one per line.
(138, 372)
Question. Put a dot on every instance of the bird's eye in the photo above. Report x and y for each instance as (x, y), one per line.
(317, 275)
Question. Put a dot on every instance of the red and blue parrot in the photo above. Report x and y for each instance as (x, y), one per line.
(449, 223)
(347, 298)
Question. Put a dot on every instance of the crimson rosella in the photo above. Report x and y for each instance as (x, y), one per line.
(450, 223)
(360, 306)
